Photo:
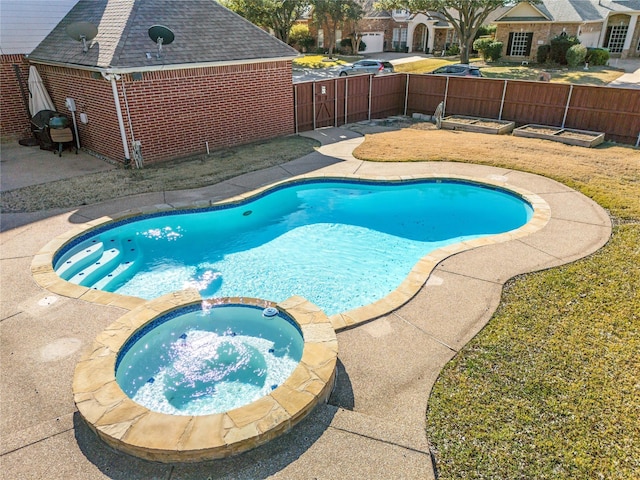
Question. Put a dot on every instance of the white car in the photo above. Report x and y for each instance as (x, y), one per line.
(367, 67)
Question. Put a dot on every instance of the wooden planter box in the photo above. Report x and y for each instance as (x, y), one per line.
(570, 136)
(476, 124)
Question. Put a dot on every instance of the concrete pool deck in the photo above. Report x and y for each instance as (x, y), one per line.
(373, 425)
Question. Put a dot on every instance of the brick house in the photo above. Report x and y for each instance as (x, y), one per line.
(611, 24)
(222, 81)
(393, 30)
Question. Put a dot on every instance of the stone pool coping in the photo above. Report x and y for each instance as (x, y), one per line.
(132, 428)
(44, 274)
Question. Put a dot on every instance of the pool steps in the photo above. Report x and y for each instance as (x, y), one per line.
(99, 264)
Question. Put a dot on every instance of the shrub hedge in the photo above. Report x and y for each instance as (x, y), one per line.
(576, 55)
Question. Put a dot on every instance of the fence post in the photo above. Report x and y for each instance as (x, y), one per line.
(638, 141)
(370, 82)
(295, 106)
(346, 98)
(406, 95)
(566, 108)
(313, 92)
(444, 104)
(504, 91)
(335, 102)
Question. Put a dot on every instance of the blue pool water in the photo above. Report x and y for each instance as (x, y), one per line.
(340, 244)
(199, 361)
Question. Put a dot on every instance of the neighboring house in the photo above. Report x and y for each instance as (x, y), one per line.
(612, 24)
(23, 25)
(400, 31)
(222, 81)
(393, 31)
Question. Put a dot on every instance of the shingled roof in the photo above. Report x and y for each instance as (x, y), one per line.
(205, 33)
(572, 10)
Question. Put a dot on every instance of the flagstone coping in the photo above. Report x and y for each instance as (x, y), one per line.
(132, 428)
(45, 276)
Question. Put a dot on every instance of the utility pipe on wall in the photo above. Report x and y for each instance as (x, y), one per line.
(112, 77)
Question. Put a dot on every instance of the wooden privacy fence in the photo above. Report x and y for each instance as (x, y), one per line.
(334, 102)
(337, 101)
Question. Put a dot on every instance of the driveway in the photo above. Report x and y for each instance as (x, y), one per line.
(631, 78)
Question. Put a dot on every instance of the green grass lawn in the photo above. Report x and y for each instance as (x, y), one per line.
(425, 66)
(560, 74)
(551, 387)
(322, 61)
(600, 75)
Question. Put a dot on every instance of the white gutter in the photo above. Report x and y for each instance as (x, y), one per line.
(112, 77)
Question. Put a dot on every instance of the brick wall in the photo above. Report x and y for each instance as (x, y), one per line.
(14, 119)
(542, 35)
(173, 113)
(93, 96)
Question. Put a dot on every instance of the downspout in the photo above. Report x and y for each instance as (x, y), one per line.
(112, 77)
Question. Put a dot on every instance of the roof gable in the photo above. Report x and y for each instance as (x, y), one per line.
(524, 11)
(205, 32)
(568, 10)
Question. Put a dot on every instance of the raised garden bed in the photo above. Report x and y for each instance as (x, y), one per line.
(570, 136)
(476, 124)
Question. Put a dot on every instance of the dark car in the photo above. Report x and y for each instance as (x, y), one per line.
(370, 67)
(459, 70)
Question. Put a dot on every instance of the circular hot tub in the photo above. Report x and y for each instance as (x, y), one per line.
(182, 380)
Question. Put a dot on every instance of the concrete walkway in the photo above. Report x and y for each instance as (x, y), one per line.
(374, 424)
(631, 77)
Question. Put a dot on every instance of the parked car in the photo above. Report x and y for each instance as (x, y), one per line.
(370, 67)
(459, 70)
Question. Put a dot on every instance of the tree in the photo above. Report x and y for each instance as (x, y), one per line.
(330, 14)
(466, 16)
(276, 15)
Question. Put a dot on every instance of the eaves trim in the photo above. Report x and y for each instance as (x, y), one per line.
(158, 68)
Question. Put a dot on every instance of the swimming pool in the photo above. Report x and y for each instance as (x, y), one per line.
(340, 243)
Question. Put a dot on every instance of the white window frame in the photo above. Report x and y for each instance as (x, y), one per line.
(400, 13)
(618, 35)
(519, 44)
(399, 37)
(320, 38)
